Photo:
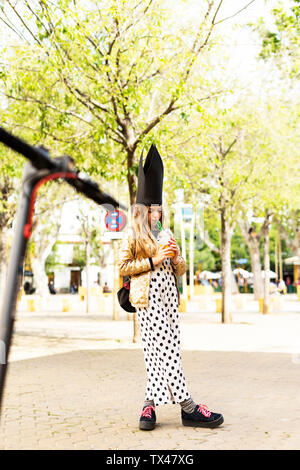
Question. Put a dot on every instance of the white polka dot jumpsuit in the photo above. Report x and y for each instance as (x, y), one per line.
(159, 326)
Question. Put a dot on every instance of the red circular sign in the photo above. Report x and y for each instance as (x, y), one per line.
(115, 220)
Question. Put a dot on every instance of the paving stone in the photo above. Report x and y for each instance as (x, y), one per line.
(91, 398)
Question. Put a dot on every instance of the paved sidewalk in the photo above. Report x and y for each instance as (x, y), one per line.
(66, 389)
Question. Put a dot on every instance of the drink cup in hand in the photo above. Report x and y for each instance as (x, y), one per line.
(164, 240)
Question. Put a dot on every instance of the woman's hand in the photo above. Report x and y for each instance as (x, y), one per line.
(163, 253)
(167, 252)
(175, 248)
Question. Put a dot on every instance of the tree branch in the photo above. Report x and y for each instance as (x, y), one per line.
(239, 11)
(23, 22)
(228, 150)
(20, 35)
(50, 106)
(205, 237)
(156, 120)
(196, 50)
(265, 225)
(74, 138)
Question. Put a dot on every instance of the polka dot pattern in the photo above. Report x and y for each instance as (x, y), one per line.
(159, 327)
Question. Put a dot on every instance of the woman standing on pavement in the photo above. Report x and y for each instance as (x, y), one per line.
(154, 294)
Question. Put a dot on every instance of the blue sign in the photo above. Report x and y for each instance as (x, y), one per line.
(115, 220)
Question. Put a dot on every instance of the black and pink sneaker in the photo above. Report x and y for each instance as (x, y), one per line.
(148, 418)
(201, 417)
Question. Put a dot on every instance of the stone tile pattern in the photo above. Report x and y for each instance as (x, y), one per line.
(91, 399)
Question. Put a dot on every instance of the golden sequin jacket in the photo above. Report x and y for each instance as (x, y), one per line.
(139, 271)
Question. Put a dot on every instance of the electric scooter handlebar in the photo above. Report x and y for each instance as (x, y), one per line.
(40, 159)
(42, 168)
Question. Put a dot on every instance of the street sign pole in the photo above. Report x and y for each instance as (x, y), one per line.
(115, 221)
(116, 313)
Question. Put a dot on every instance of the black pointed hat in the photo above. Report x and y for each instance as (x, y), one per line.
(150, 179)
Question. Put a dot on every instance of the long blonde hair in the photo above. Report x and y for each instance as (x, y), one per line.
(145, 243)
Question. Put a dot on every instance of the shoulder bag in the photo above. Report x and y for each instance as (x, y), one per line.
(123, 295)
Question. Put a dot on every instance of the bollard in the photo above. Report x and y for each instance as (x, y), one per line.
(218, 305)
(298, 291)
(20, 295)
(31, 305)
(182, 306)
(261, 305)
(81, 292)
(65, 305)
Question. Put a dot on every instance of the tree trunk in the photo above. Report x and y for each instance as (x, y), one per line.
(7, 214)
(38, 267)
(266, 307)
(253, 243)
(276, 255)
(280, 256)
(3, 274)
(40, 276)
(136, 331)
(87, 268)
(192, 230)
(256, 270)
(3, 261)
(296, 241)
(226, 234)
(131, 177)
